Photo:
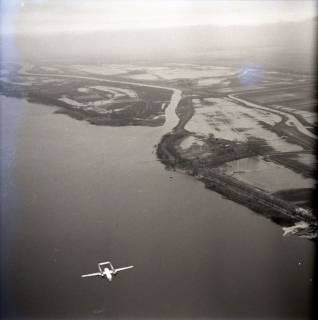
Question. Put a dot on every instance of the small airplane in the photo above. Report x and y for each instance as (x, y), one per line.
(107, 270)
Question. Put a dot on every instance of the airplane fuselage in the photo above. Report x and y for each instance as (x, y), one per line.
(108, 274)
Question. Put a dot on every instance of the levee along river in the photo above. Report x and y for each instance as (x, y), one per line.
(74, 194)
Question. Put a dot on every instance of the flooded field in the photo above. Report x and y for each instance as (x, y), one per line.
(228, 120)
(266, 175)
(77, 194)
(189, 141)
(175, 137)
(309, 159)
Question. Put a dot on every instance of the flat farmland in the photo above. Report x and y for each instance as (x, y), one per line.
(301, 98)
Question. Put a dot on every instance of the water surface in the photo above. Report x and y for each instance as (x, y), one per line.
(266, 175)
(77, 194)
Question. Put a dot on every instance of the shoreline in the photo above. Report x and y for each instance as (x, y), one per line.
(280, 211)
(144, 112)
(178, 111)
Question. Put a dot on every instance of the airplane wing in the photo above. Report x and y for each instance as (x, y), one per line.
(125, 268)
(91, 275)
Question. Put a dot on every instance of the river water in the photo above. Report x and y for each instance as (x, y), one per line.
(74, 194)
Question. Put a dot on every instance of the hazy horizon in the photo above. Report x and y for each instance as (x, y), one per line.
(174, 136)
(43, 17)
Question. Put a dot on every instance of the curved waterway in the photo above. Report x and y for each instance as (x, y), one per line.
(74, 194)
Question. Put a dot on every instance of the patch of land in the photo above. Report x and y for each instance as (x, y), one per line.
(203, 160)
(106, 103)
(296, 196)
(250, 153)
(247, 133)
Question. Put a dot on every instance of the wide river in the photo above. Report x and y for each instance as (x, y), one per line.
(74, 194)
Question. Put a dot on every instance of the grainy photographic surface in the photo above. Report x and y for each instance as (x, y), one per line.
(173, 139)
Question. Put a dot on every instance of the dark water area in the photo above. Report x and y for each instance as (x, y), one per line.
(74, 194)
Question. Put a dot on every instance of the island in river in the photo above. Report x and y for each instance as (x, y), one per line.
(222, 122)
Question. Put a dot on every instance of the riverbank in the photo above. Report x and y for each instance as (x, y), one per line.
(79, 192)
(96, 100)
(206, 169)
(177, 113)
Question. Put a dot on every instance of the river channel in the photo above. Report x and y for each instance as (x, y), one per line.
(74, 194)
